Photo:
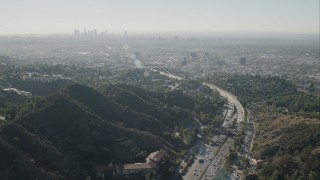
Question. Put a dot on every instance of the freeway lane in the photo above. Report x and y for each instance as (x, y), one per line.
(207, 153)
(218, 160)
(231, 99)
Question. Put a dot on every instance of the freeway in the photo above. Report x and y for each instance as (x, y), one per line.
(218, 160)
(211, 156)
(168, 75)
(231, 100)
(207, 155)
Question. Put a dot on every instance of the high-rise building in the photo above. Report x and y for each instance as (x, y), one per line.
(184, 62)
(206, 56)
(194, 56)
(76, 32)
(85, 31)
(137, 55)
(243, 61)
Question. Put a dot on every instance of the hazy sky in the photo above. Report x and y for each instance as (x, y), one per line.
(62, 16)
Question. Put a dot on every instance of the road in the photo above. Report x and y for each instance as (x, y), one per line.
(229, 111)
(207, 155)
(231, 100)
(211, 156)
(168, 75)
(230, 97)
(218, 160)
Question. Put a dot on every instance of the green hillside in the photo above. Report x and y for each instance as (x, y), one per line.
(114, 112)
(73, 130)
(147, 103)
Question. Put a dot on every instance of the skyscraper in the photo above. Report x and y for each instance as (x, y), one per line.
(137, 55)
(85, 31)
(194, 56)
(206, 56)
(243, 61)
(76, 32)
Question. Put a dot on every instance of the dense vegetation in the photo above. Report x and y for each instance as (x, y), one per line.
(303, 103)
(253, 88)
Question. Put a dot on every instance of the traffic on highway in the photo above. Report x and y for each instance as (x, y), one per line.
(210, 155)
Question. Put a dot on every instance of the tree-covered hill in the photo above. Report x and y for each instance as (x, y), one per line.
(171, 107)
(108, 110)
(149, 104)
(251, 88)
(71, 131)
(299, 102)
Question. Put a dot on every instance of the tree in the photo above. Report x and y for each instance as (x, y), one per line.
(313, 175)
(251, 177)
(277, 175)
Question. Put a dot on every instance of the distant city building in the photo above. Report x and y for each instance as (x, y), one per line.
(243, 61)
(76, 32)
(138, 55)
(184, 62)
(85, 31)
(206, 56)
(176, 38)
(22, 93)
(194, 56)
